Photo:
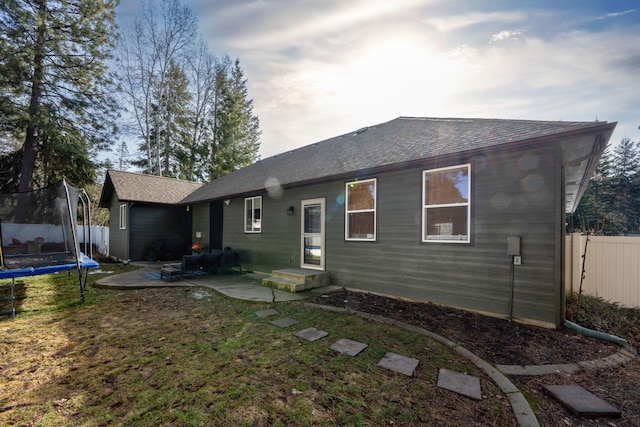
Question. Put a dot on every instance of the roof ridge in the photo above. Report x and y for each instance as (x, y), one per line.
(496, 119)
(148, 175)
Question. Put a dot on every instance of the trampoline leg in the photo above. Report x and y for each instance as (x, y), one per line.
(11, 298)
(82, 284)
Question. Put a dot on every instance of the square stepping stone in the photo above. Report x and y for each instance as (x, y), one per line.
(266, 313)
(397, 363)
(285, 322)
(311, 334)
(349, 347)
(466, 385)
(582, 402)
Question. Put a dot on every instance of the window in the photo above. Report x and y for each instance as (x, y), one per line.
(360, 211)
(446, 213)
(123, 217)
(253, 214)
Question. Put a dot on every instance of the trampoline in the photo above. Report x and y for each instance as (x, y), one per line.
(39, 235)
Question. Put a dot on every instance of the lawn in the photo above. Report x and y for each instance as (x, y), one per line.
(191, 357)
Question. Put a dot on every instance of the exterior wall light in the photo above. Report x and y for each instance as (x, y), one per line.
(290, 210)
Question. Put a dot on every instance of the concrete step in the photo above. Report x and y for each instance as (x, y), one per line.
(296, 279)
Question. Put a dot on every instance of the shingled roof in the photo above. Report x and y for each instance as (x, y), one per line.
(397, 142)
(135, 187)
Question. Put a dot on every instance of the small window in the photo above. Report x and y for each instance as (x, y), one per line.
(253, 214)
(360, 211)
(123, 217)
(446, 213)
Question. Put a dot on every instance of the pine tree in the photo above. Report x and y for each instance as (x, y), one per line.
(193, 117)
(237, 129)
(52, 89)
(624, 173)
(157, 41)
(611, 204)
(123, 156)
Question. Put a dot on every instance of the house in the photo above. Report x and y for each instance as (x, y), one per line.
(144, 209)
(468, 213)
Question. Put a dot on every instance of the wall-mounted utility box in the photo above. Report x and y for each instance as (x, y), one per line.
(513, 245)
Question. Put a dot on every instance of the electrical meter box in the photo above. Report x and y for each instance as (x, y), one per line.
(513, 245)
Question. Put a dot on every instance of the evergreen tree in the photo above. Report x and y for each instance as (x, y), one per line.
(624, 174)
(193, 117)
(237, 129)
(201, 72)
(123, 156)
(174, 121)
(156, 42)
(611, 204)
(52, 89)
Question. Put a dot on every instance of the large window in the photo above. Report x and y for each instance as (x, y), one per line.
(123, 216)
(253, 214)
(446, 213)
(360, 220)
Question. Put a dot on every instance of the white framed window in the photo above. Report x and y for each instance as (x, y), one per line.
(123, 217)
(446, 206)
(360, 210)
(253, 214)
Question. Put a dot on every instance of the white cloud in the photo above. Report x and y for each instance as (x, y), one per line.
(317, 69)
(617, 14)
(450, 23)
(505, 35)
(264, 24)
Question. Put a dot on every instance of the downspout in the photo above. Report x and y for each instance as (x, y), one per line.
(591, 333)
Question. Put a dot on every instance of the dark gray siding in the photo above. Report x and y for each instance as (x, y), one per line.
(118, 239)
(513, 193)
(278, 245)
(201, 223)
(151, 222)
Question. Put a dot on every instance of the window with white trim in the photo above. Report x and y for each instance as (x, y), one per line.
(123, 217)
(446, 205)
(360, 210)
(253, 214)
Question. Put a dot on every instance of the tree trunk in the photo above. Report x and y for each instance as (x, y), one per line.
(30, 141)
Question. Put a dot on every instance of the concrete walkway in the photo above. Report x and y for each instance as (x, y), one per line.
(245, 286)
(248, 286)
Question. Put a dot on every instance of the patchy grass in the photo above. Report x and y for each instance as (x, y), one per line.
(191, 357)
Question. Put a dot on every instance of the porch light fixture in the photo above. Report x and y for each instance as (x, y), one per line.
(290, 210)
(227, 202)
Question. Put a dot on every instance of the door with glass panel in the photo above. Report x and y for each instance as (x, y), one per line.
(312, 242)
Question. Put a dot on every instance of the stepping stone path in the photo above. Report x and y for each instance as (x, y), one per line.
(285, 322)
(348, 347)
(582, 402)
(311, 334)
(266, 313)
(466, 385)
(397, 363)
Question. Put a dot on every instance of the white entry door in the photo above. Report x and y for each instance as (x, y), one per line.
(312, 242)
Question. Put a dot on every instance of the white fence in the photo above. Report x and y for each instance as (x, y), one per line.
(99, 238)
(611, 267)
(53, 233)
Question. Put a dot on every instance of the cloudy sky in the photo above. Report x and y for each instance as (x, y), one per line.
(320, 68)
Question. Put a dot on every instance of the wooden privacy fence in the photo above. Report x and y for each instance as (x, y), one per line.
(612, 267)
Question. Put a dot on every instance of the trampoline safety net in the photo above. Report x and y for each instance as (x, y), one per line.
(38, 231)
